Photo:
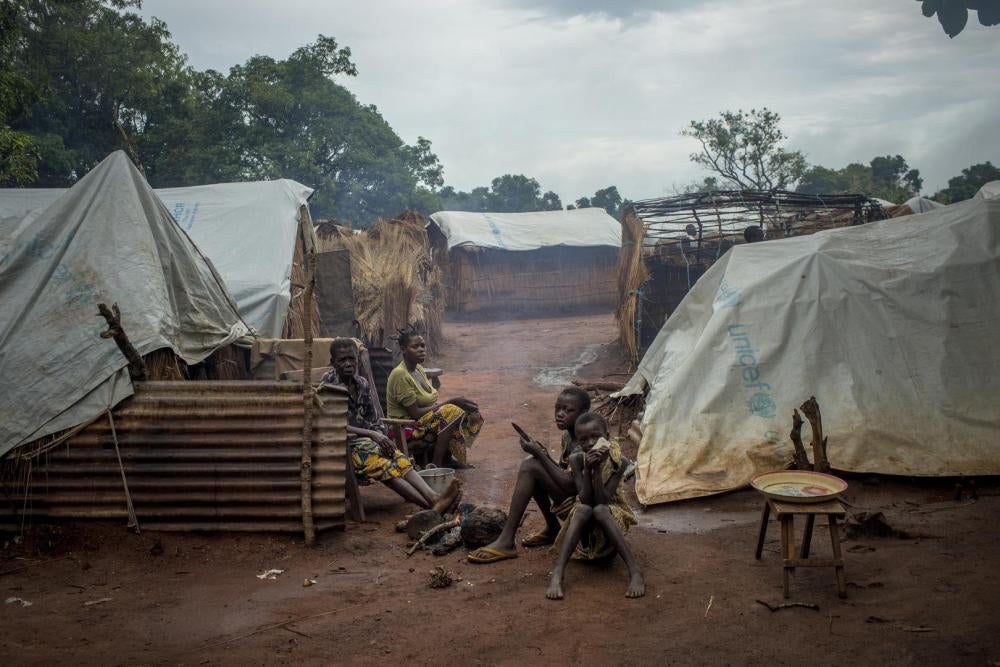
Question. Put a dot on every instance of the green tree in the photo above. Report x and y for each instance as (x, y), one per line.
(81, 78)
(745, 149)
(289, 118)
(887, 177)
(18, 91)
(452, 200)
(609, 199)
(967, 184)
(953, 15)
(514, 193)
(100, 73)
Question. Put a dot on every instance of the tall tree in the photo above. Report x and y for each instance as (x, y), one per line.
(745, 149)
(967, 184)
(91, 64)
(81, 78)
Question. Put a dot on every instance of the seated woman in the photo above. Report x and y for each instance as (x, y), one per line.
(374, 455)
(448, 427)
(541, 479)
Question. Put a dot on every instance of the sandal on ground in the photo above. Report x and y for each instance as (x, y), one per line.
(539, 539)
(484, 555)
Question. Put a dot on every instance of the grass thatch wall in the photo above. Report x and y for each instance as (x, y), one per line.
(395, 283)
(632, 275)
(544, 280)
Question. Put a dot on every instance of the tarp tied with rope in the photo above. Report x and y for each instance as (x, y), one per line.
(108, 239)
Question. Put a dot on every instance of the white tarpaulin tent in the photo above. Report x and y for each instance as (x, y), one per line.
(247, 230)
(922, 204)
(582, 227)
(108, 239)
(892, 326)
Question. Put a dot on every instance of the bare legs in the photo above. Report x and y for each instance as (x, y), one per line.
(636, 583)
(442, 444)
(581, 517)
(412, 488)
(593, 499)
(533, 482)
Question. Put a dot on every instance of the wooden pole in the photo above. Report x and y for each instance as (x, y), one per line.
(113, 316)
(811, 410)
(308, 393)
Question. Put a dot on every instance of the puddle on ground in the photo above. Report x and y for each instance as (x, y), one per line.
(560, 376)
(693, 521)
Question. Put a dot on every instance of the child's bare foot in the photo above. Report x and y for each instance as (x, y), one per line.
(450, 497)
(636, 586)
(555, 591)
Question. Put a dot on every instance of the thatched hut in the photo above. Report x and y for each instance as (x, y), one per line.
(541, 262)
(671, 242)
(393, 281)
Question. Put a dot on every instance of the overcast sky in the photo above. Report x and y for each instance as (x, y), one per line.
(587, 93)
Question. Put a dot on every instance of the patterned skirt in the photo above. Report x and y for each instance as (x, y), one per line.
(370, 463)
(462, 436)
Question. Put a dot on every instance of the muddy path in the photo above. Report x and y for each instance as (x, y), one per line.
(99, 595)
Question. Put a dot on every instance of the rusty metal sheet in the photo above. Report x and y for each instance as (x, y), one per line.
(198, 456)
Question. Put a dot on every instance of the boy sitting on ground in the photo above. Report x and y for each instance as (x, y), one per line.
(542, 479)
(598, 468)
(373, 453)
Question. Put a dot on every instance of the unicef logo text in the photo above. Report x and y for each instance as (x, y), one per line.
(762, 405)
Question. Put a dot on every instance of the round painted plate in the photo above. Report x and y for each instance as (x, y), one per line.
(798, 486)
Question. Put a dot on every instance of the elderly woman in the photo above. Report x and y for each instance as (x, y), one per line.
(448, 427)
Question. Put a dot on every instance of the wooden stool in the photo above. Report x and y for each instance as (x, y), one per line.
(785, 513)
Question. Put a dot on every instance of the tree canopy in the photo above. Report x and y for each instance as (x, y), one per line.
(745, 149)
(967, 184)
(82, 78)
(953, 15)
(510, 193)
(607, 198)
(887, 177)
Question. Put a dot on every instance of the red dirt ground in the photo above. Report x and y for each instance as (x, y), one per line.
(925, 600)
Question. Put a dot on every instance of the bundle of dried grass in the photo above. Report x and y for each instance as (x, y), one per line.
(632, 275)
(330, 235)
(394, 282)
(163, 364)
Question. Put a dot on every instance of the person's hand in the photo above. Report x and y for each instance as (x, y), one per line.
(385, 444)
(597, 455)
(465, 404)
(534, 448)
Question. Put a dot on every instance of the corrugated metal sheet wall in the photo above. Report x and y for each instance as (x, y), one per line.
(199, 456)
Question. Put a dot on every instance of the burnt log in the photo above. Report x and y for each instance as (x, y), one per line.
(482, 525)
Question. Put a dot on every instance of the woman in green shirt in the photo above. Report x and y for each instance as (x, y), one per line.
(449, 426)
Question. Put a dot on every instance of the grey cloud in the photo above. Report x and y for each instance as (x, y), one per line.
(585, 94)
(628, 11)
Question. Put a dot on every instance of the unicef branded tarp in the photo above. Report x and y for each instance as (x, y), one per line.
(582, 227)
(892, 326)
(247, 230)
(108, 239)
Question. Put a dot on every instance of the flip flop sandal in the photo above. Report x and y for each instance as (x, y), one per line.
(538, 540)
(492, 555)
